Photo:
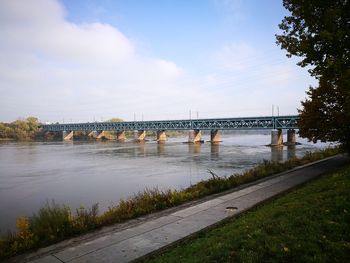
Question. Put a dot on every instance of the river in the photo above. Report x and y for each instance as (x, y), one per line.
(83, 173)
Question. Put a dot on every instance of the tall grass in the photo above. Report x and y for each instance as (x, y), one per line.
(55, 222)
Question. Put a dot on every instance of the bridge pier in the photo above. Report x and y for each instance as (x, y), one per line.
(291, 137)
(97, 134)
(67, 135)
(121, 136)
(161, 136)
(140, 135)
(276, 137)
(194, 136)
(215, 136)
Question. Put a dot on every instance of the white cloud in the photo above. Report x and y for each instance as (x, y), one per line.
(51, 67)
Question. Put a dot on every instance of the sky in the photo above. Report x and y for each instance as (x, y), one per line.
(83, 60)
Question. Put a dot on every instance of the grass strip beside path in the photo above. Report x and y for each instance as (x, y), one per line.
(309, 224)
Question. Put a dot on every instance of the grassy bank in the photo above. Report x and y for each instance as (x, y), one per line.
(56, 222)
(310, 224)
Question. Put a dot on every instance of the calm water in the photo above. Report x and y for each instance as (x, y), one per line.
(84, 173)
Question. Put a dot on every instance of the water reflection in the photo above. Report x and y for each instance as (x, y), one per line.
(291, 151)
(160, 149)
(30, 153)
(140, 149)
(194, 148)
(214, 151)
(276, 153)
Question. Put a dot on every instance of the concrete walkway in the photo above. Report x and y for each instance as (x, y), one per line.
(124, 244)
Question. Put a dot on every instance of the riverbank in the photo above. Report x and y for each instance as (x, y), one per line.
(139, 237)
(55, 222)
(310, 224)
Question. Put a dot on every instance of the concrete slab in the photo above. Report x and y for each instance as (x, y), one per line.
(231, 196)
(165, 235)
(47, 259)
(197, 208)
(124, 251)
(112, 238)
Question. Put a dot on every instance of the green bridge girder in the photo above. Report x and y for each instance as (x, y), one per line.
(248, 123)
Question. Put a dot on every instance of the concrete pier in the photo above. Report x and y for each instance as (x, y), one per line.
(100, 135)
(194, 136)
(121, 136)
(291, 137)
(215, 136)
(67, 135)
(276, 137)
(161, 136)
(96, 134)
(139, 136)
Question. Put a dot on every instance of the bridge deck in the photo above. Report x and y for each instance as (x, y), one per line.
(249, 123)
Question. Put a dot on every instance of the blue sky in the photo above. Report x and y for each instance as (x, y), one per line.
(185, 31)
(93, 60)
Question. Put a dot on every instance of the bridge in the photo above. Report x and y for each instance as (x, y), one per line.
(97, 129)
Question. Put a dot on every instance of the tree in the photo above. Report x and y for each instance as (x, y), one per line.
(116, 120)
(319, 32)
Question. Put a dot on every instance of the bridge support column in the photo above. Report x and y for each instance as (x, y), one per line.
(97, 134)
(291, 137)
(276, 137)
(161, 136)
(100, 134)
(194, 136)
(139, 136)
(67, 135)
(121, 136)
(215, 136)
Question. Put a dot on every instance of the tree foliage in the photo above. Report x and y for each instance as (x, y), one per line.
(116, 120)
(319, 32)
(21, 129)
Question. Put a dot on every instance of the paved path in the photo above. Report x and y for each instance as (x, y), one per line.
(130, 243)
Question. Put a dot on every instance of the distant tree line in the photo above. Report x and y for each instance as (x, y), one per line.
(28, 130)
(21, 130)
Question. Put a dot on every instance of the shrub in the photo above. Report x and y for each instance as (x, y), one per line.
(52, 223)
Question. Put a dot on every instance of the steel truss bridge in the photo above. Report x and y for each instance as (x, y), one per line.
(249, 123)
